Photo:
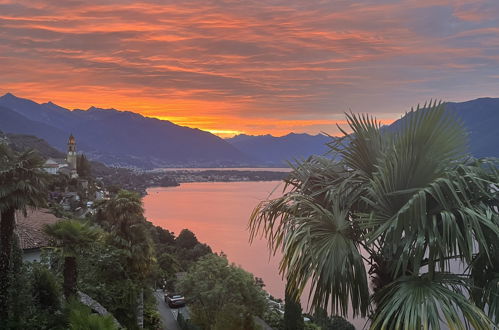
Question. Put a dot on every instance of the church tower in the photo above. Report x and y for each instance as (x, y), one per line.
(71, 157)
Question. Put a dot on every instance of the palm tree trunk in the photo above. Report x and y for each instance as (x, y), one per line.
(7, 224)
(70, 277)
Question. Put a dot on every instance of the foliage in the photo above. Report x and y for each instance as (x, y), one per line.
(186, 239)
(46, 291)
(22, 182)
(407, 202)
(152, 318)
(81, 318)
(313, 326)
(22, 185)
(72, 236)
(35, 303)
(273, 318)
(334, 322)
(293, 319)
(221, 295)
(185, 324)
(83, 166)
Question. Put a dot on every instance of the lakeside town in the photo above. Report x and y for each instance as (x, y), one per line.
(249, 165)
(74, 193)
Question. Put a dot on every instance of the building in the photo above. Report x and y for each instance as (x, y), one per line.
(67, 166)
(31, 234)
(71, 157)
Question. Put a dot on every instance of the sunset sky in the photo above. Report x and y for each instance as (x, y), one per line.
(250, 66)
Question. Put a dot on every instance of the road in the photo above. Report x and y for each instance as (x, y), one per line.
(169, 322)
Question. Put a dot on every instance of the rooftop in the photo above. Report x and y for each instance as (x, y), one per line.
(30, 228)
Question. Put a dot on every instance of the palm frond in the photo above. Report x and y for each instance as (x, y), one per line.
(427, 302)
(317, 239)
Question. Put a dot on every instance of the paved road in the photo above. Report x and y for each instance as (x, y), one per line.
(169, 322)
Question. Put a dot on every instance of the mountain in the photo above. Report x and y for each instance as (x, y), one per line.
(21, 142)
(124, 138)
(272, 151)
(480, 118)
(118, 137)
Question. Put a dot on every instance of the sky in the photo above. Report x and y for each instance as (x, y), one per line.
(255, 67)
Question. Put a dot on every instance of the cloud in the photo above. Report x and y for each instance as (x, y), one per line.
(250, 66)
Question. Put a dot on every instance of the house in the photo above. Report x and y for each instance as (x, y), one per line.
(52, 166)
(31, 234)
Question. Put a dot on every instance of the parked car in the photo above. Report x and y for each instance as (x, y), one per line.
(174, 300)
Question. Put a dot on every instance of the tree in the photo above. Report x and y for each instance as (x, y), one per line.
(293, 319)
(80, 317)
(407, 201)
(22, 185)
(123, 215)
(222, 296)
(186, 239)
(83, 166)
(72, 236)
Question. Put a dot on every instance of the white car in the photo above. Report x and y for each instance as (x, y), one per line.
(174, 300)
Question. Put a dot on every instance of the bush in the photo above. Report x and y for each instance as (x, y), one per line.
(80, 317)
(186, 324)
(46, 289)
(339, 323)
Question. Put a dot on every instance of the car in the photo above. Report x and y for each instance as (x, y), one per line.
(174, 300)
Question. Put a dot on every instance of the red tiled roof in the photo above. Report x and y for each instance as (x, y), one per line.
(30, 228)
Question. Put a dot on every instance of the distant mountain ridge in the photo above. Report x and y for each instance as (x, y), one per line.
(124, 138)
(271, 150)
(118, 137)
(480, 118)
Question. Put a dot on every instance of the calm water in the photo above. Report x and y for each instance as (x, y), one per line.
(199, 169)
(218, 213)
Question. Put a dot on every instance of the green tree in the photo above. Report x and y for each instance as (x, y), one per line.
(405, 200)
(83, 166)
(22, 185)
(331, 323)
(45, 289)
(80, 317)
(222, 296)
(293, 319)
(124, 217)
(186, 239)
(72, 237)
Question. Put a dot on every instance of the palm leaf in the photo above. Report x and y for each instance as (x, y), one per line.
(425, 302)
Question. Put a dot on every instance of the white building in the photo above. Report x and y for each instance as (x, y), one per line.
(54, 166)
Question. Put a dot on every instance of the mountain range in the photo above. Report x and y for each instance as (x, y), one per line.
(123, 138)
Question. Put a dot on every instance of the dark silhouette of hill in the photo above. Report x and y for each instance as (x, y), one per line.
(480, 118)
(118, 137)
(124, 138)
(22, 142)
(271, 150)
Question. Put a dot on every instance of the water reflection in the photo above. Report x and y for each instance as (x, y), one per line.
(218, 214)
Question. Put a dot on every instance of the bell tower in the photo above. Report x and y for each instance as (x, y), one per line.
(71, 157)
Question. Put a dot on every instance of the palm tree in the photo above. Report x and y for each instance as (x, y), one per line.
(124, 216)
(71, 237)
(404, 201)
(22, 185)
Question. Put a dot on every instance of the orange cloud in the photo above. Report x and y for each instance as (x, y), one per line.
(232, 67)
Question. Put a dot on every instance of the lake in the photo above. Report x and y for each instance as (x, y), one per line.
(218, 213)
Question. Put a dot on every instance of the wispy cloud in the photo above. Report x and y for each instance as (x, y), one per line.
(255, 67)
